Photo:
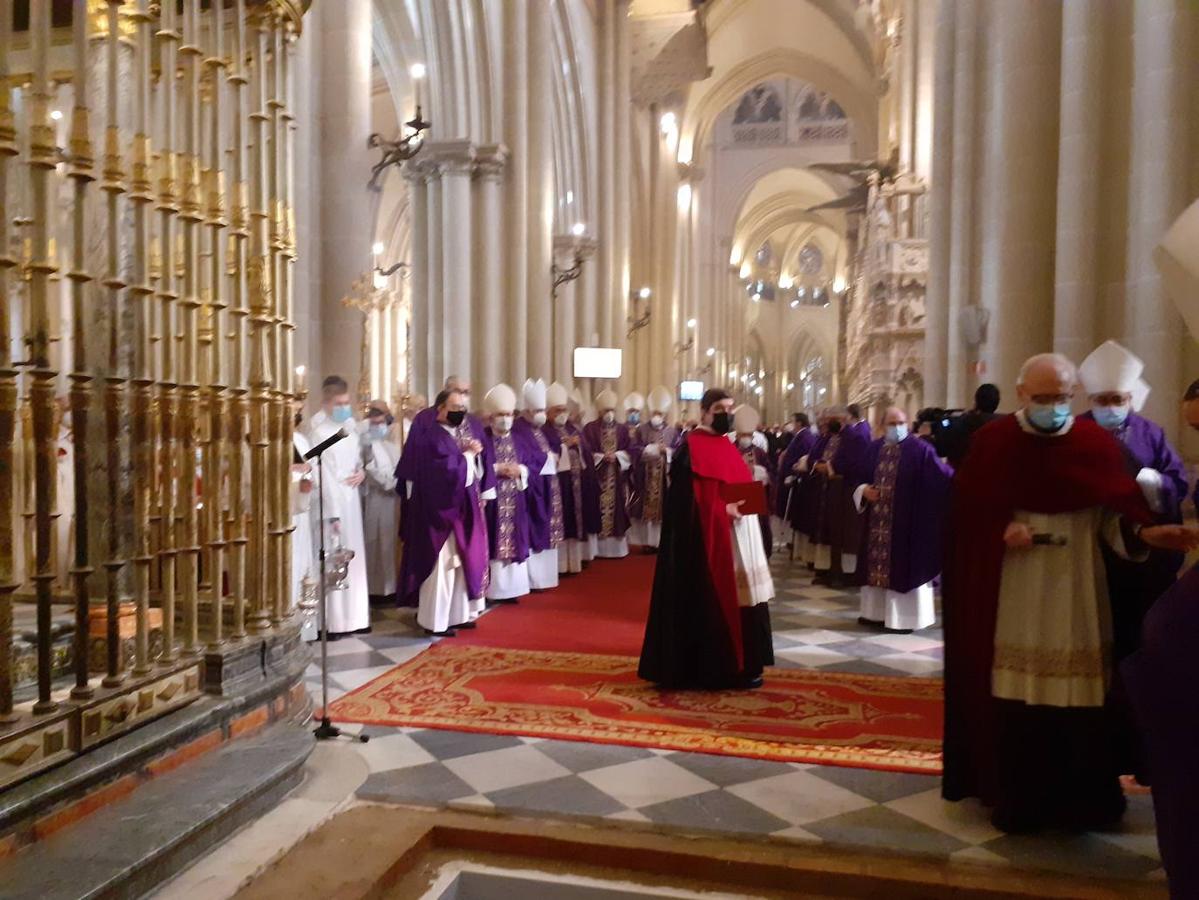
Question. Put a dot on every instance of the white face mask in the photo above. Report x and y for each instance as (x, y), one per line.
(560, 419)
(896, 433)
(609, 417)
(745, 442)
(656, 421)
(503, 424)
(539, 418)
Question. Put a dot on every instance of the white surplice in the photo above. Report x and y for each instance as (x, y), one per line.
(347, 609)
(1053, 626)
(381, 516)
(754, 582)
(303, 554)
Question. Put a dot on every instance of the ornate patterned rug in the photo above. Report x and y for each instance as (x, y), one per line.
(799, 715)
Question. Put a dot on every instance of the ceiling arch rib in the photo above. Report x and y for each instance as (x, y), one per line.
(707, 102)
(841, 16)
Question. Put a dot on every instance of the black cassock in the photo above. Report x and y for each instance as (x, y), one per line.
(688, 639)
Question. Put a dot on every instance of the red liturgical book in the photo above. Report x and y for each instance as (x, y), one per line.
(752, 492)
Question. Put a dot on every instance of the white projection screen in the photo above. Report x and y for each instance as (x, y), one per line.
(597, 362)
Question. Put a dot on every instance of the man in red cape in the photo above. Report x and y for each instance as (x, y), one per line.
(1027, 629)
(709, 625)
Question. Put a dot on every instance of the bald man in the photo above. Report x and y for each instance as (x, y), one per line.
(1027, 624)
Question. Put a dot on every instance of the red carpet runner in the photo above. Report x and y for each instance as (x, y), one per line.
(564, 665)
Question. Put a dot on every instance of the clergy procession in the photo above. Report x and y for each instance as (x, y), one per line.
(1046, 546)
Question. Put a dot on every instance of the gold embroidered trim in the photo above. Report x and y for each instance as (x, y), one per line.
(1086, 662)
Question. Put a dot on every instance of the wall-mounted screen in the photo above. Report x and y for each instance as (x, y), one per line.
(597, 362)
(691, 390)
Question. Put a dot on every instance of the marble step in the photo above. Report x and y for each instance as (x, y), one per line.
(128, 848)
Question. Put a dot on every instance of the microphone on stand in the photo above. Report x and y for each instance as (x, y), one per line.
(326, 444)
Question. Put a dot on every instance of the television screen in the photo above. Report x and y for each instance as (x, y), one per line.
(691, 390)
(597, 362)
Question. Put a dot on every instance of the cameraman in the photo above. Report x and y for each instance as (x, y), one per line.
(954, 441)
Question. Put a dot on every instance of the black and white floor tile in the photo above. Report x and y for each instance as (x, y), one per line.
(814, 627)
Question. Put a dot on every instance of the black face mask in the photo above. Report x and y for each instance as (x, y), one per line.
(299, 417)
(721, 422)
(456, 418)
(834, 427)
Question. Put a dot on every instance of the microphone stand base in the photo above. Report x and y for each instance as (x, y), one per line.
(327, 731)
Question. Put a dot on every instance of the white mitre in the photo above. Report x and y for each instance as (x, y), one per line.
(533, 394)
(556, 395)
(660, 400)
(1177, 258)
(1113, 368)
(634, 401)
(606, 400)
(577, 401)
(746, 419)
(500, 399)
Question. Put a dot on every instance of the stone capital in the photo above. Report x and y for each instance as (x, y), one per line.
(569, 246)
(451, 157)
(490, 161)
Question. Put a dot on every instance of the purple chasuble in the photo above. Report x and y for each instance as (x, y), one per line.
(649, 472)
(904, 526)
(612, 482)
(440, 505)
(508, 514)
(544, 496)
(570, 483)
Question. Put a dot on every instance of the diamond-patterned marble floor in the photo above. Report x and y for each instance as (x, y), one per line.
(814, 627)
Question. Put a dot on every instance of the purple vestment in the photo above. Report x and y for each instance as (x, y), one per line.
(612, 482)
(837, 523)
(801, 445)
(649, 472)
(440, 504)
(570, 482)
(806, 496)
(544, 496)
(508, 513)
(1160, 679)
(903, 532)
(863, 429)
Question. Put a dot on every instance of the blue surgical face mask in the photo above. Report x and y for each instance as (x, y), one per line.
(896, 433)
(377, 432)
(1048, 416)
(1110, 417)
(342, 413)
(634, 418)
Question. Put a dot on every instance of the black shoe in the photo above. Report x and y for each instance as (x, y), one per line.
(750, 684)
(449, 632)
(467, 625)
(898, 630)
(507, 601)
(871, 623)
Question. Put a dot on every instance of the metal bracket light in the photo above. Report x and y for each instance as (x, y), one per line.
(565, 276)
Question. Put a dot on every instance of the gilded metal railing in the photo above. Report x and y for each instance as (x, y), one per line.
(156, 226)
